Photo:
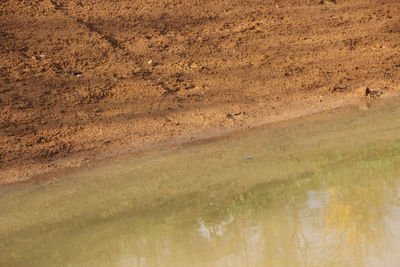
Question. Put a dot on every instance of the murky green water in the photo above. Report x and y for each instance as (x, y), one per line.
(318, 191)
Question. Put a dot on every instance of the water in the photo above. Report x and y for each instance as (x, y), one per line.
(318, 191)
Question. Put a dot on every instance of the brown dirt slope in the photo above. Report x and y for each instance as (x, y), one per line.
(80, 80)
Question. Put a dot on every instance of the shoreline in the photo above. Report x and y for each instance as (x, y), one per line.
(74, 161)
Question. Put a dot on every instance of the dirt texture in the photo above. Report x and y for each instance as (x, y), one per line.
(84, 80)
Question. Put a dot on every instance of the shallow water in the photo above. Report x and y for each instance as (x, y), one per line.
(317, 191)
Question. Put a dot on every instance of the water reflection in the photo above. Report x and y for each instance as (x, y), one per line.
(313, 194)
(342, 216)
(345, 221)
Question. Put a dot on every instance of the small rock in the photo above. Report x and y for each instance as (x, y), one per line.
(77, 73)
(367, 91)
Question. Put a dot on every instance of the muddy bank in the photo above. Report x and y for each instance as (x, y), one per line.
(83, 80)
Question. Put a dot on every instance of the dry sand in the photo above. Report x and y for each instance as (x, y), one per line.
(84, 80)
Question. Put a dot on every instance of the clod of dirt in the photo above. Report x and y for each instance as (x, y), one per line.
(372, 93)
(336, 89)
(230, 116)
(190, 86)
(366, 92)
(73, 72)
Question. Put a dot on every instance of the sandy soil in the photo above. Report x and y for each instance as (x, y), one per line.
(83, 80)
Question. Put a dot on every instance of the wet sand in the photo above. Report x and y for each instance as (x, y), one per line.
(81, 81)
